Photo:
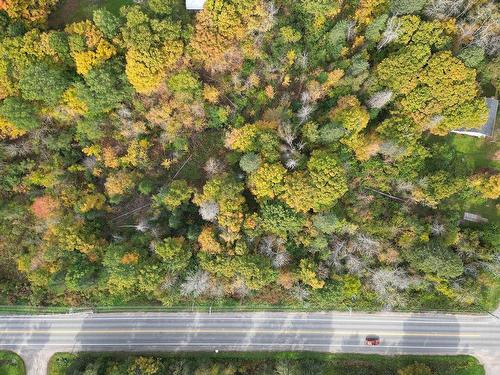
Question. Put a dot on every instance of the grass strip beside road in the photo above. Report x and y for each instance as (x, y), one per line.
(206, 308)
(315, 363)
(11, 364)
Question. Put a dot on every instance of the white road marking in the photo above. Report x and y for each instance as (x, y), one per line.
(149, 344)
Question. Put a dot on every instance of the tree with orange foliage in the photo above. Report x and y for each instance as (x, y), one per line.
(44, 207)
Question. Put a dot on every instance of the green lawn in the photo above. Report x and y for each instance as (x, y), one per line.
(76, 10)
(321, 364)
(11, 364)
(483, 154)
(480, 150)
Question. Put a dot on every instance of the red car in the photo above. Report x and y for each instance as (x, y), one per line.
(372, 340)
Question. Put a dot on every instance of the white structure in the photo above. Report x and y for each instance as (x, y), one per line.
(488, 128)
(195, 4)
(474, 218)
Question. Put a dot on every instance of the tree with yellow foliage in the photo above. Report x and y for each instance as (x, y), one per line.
(308, 276)
(35, 11)
(488, 186)
(226, 192)
(445, 87)
(267, 181)
(153, 48)
(89, 48)
(119, 183)
(220, 27)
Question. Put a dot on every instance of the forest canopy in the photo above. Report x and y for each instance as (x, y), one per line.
(266, 152)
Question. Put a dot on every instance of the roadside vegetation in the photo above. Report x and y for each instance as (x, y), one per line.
(11, 364)
(283, 153)
(262, 364)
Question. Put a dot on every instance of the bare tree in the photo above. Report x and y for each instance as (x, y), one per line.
(387, 283)
(266, 245)
(391, 150)
(305, 113)
(89, 163)
(300, 292)
(442, 9)
(291, 163)
(124, 112)
(168, 282)
(195, 284)
(213, 167)
(240, 289)
(481, 28)
(305, 97)
(281, 259)
(209, 210)
(354, 265)
(404, 186)
(391, 33)
(303, 60)
(338, 252)
(17, 149)
(142, 225)
(270, 19)
(216, 289)
(287, 134)
(351, 30)
(323, 271)
(365, 245)
(380, 99)
(437, 228)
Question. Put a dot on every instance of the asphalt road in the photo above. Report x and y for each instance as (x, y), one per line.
(332, 332)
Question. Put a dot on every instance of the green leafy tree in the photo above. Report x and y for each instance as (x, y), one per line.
(145, 366)
(472, 56)
(174, 253)
(255, 271)
(20, 113)
(275, 217)
(318, 189)
(107, 22)
(177, 193)
(153, 48)
(435, 258)
(43, 82)
(398, 70)
(105, 88)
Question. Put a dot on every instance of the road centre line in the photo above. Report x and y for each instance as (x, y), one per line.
(228, 331)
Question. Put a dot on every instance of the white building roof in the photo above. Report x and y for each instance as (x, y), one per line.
(195, 4)
(474, 218)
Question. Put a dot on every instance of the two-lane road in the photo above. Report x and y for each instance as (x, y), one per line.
(400, 333)
(328, 332)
